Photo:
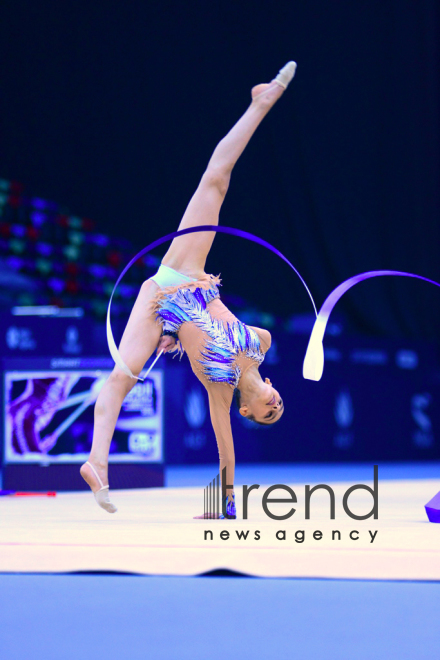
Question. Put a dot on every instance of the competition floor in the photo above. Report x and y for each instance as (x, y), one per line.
(320, 599)
(153, 533)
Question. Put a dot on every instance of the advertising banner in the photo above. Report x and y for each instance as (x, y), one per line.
(48, 417)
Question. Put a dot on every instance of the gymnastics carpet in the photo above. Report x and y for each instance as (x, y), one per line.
(154, 533)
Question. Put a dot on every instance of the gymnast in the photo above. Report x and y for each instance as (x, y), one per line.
(179, 308)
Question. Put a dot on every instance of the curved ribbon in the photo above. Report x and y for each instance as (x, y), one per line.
(224, 230)
(314, 359)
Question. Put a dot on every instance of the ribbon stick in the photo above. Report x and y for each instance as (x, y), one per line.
(152, 365)
(223, 230)
(313, 366)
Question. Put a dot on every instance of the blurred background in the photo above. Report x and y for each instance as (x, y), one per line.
(108, 118)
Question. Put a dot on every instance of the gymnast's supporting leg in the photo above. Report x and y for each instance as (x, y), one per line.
(138, 342)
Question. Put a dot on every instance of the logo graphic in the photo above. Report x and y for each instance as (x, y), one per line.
(369, 356)
(211, 499)
(71, 344)
(140, 404)
(195, 410)
(212, 509)
(20, 338)
(422, 436)
(145, 443)
(272, 356)
(344, 409)
(406, 359)
(344, 414)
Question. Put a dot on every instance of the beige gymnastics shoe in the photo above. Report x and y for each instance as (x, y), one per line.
(286, 74)
(101, 492)
(283, 79)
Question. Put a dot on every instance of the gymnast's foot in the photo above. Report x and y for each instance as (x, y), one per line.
(269, 93)
(94, 476)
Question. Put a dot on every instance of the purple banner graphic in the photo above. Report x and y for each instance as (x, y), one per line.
(49, 417)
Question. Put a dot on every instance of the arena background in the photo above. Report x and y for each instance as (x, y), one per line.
(113, 111)
(109, 113)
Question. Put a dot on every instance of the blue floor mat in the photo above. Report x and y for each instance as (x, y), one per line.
(114, 617)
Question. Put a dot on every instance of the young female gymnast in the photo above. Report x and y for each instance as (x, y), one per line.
(182, 302)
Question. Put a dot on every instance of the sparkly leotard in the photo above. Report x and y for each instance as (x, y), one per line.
(219, 346)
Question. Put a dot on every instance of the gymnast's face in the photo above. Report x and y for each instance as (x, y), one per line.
(266, 407)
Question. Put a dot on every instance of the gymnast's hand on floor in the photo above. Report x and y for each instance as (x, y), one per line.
(166, 344)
